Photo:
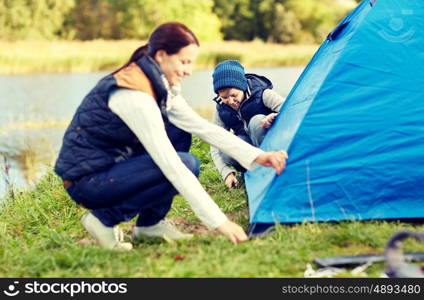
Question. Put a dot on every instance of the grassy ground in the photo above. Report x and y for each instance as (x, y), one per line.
(41, 236)
(24, 57)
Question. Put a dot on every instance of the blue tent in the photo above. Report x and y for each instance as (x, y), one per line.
(353, 125)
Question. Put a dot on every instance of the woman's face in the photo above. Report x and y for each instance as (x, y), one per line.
(177, 66)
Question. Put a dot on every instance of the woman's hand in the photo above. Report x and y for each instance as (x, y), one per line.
(267, 121)
(233, 232)
(231, 180)
(276, 160)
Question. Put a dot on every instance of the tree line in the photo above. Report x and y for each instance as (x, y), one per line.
(279, 21)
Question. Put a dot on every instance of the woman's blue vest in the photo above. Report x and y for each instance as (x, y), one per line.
(97, 138)
(238, 120)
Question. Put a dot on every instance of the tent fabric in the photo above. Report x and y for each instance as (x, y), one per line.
(353, 125)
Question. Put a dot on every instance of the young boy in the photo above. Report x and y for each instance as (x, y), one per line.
(247, 105)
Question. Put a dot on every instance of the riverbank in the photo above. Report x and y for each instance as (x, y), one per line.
(41, 236)
(25, 57)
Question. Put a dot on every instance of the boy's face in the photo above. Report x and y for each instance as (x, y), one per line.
(232, 97)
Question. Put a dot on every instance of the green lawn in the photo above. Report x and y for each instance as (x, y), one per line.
(41, 236)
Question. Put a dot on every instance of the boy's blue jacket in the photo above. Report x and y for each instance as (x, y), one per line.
(238, 120)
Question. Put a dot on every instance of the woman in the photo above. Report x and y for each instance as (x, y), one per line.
(125, 151)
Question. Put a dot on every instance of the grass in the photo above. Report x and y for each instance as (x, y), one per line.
(41, 236)
(23, 57)
(30, 147)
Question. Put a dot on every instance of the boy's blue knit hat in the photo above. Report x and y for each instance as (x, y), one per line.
(229, 73)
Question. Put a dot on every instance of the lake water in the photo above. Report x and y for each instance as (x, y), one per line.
(33, 109)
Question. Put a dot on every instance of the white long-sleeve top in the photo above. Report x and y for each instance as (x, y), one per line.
(272, 100)
(142, 115)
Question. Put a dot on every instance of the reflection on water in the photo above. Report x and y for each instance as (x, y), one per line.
(35, 110)
(30, 149)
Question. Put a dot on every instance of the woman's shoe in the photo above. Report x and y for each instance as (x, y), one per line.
(164, 229)
(108, 237)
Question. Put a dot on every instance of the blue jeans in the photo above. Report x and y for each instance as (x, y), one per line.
(256, 134)
(133, 187)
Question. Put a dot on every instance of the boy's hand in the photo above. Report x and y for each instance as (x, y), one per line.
(276, 160)
(231, 180)
(267, 121)
(233, 232)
